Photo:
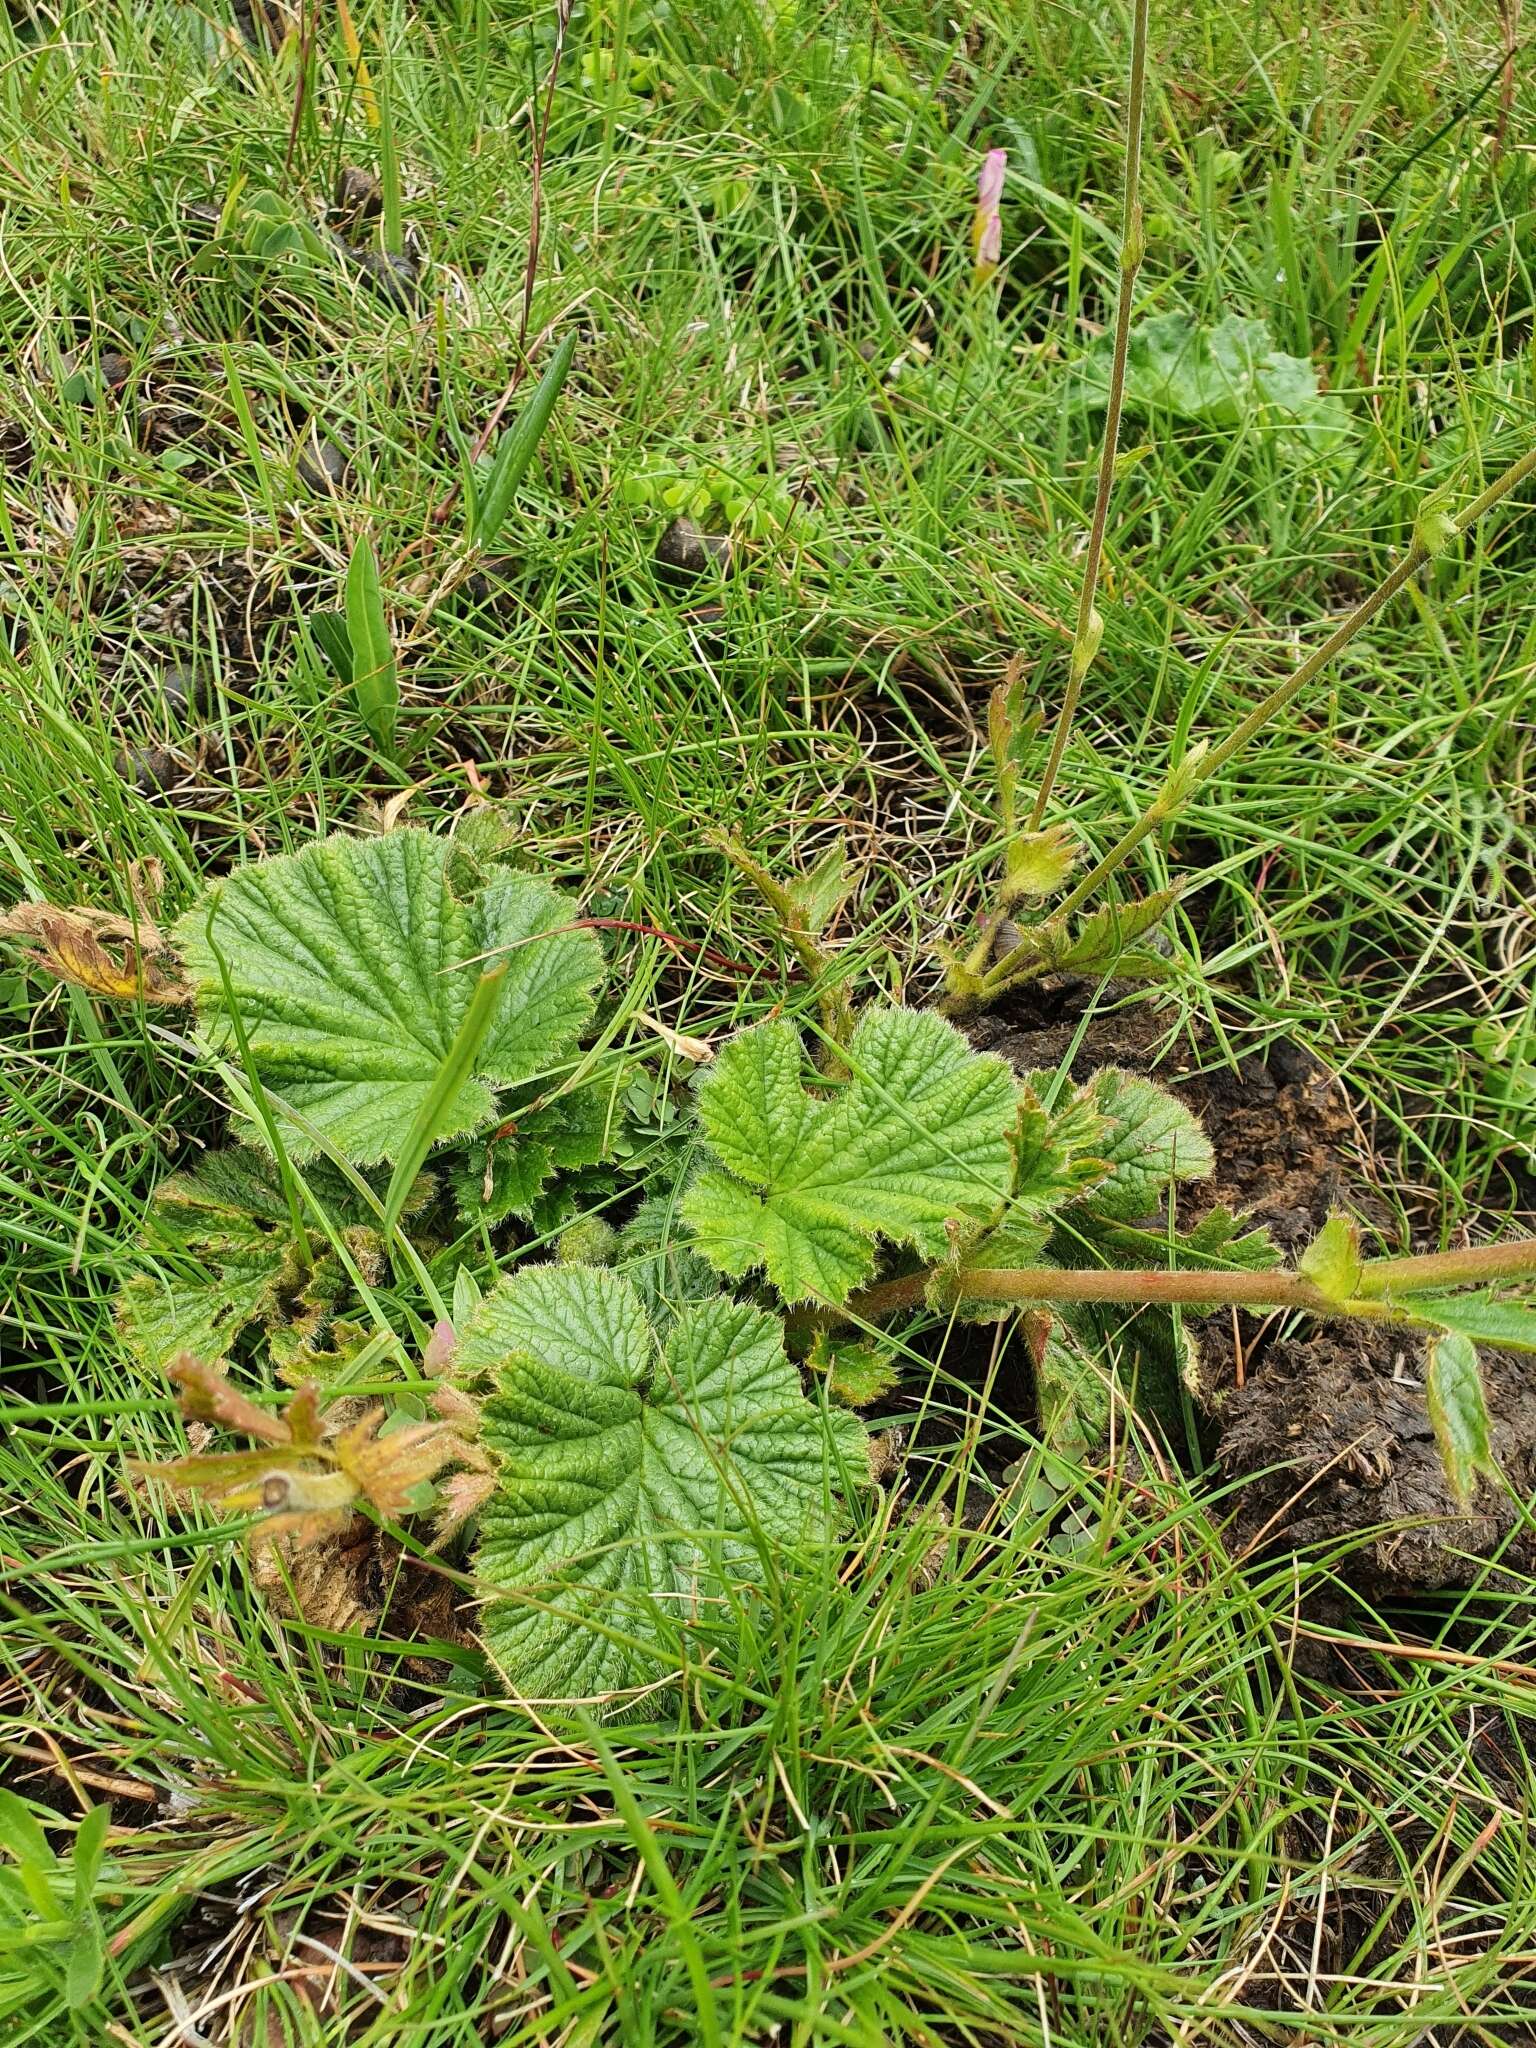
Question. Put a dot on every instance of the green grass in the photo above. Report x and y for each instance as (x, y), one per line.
(1051, 1799)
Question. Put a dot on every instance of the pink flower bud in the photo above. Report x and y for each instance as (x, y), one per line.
(987, 227)
(441, 1346)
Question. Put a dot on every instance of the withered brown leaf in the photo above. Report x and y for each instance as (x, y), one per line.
(127, 959)
(315, 1464)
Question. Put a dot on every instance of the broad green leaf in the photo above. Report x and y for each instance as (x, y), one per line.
(334, 641)
(586, 1321)
(806, 1186)
(633, 1483)
(222, 1238)
(1147, 1354)
(375, 681)
(1149, 1139)
(1332, 1260)
(1226, 376)
(353, 964)
(518, 445)
(1509, 1325)
(86, 1853)
(1458, 1408)
(1072, 1388)
(22, 1833)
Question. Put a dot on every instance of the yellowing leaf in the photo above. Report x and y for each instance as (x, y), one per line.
(355, 57)
(126, 959)
(1458, 1408)
(1038, 864)
(315, 1464)
(1332, 1260)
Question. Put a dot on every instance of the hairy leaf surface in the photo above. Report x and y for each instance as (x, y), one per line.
(1458, 1409)
(1149, 1139)
(805, 1186)
(633, 1481)
(504, 1176)
(353, 964)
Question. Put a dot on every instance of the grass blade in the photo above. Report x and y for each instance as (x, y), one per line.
(451, 1076)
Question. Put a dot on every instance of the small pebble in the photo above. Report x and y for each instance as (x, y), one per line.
(688, 550)
(359, 195)
(183, 690)
(16, 450)
(323, 463)
(395, 278)
(151, 770)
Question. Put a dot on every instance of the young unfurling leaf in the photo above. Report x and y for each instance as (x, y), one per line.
(821, 891)
(1104, 942)
(1038, 863)
(1332, 1260)
(856, 1374)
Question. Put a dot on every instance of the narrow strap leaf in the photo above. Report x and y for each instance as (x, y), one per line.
(455, 1070)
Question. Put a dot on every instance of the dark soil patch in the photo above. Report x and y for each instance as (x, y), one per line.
(1287, 1147)
(1332, 1438)
(1325, 1433)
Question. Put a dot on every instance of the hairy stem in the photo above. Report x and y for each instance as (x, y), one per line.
(1283, 693)
(1382, 1282)
(1085, 641)
(1430, 1270)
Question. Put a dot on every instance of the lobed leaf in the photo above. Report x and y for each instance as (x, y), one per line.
(222, 1237)
(1149, 1139)
(633, 1482)
(504, 1174)
(805, 1187)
